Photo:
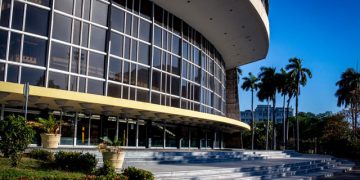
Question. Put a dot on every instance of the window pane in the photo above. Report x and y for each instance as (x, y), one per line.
(158, 14)
(133, 50)
(95, 87)
(64, 5)
(127, 48)
(155, 98)
(117, 44)
(128, 23)
(85, 35)
(5, 13)
(99, 12)
(120, 3)
(133, 74)
(12, 73)
(62, 28)
(175, 85)
(58, 81)
(75, 60)
(76, 35)
(175, 65)
(34, 77)
(41, 2)
(82, 84)
(2, 71)
(146, 9)
(83, 61)
(197, 56)
(125, 92)
(157, 58)
(78, 8)
(98, 38)
(60, 56)
(135, 27)
(144, 53)
(33, 25)
(126, 72)
(73, 83)
(156, 80)
(34, 51)
(18, 15)
(14, 49)
(145, 31)
(115, 69)
(176, 44)
(117, 19)
(177, 25)
(114, 90)
(86, 10)
(96, 65)
(157, 36)
(3, 43)
(143, 80)
(142, 95)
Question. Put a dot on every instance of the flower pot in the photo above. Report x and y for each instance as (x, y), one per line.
(116, 158)
(50, 140)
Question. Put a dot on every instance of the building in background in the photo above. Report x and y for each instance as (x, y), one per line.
(153, 73)
(261, 114)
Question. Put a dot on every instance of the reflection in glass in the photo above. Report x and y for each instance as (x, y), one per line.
(67, 130)
(144, 53)
(117, 44)
(12, 73)
(5, 13)
(156, 80)
(145, 30)
(62, 28)
(73, 83)
(157, 58)
(143, 80)
(75, 60)
(15, 46)
(60, 56)
(126, 72)
(157, 139)
(133, 74)
(58, 80)
(34, 51)
(85, 34)
(34, 77)
(77, 30)
(142, 95)
(115, 69)
(98, 38)
(82, 131)
(64, 5)
(78, 8)
(18, 15)
(176, 45)
(117, 19)
(114, 90)
(33, 25)
(3, 43)
(95, 87)
(96, 65)
(83, 61)
(99, 12)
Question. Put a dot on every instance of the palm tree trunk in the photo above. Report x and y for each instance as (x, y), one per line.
(297, 119)
(284, 126)
(273, 123)
(253, 119)
(267, 125)
(287, 120)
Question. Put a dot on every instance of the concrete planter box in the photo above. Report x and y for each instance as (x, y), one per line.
(50, 140)
(116, 158)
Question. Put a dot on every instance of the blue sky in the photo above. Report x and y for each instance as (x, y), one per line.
(325, 34)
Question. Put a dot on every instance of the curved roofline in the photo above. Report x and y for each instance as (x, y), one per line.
(239, 29)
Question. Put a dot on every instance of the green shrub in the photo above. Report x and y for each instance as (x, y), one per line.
(133, 173)
(75, 161)
(107, 170)
(41, 154)
(15, 135)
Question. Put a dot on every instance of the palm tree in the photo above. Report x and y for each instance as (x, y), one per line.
(348, 93)
(290, 91)
(300, 74)
(251, 83)
(268, 89)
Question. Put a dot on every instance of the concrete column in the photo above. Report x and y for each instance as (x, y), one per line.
(75, 129)
(214, 140)
(164, 136)
(137, 133)
(89, 129)
(149, 133)
(189, 137)
(2, 112)
(127, 132)
(206, 141)
(117, 128)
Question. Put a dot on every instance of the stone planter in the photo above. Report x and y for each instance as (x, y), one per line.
(50, 140)
(116, 158)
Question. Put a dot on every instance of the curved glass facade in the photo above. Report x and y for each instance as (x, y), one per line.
(125, 49)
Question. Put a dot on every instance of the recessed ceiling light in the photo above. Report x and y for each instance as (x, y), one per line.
(211, 19)
(188, 1)
(233, 45)
(230, 10)
(225, 33)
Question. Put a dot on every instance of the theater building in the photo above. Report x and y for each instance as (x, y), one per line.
(155, 74)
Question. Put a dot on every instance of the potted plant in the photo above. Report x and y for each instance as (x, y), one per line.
(112, 152)
(51, 136)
